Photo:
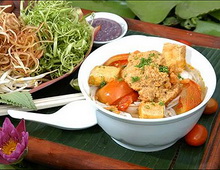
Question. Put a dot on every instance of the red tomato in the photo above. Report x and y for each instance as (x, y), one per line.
(211, 106)
(118, 60)
(197, 136)
(190, 96)
(113, 91)
(185, 42)
(119, 63)
(123, 57)
(124, 102)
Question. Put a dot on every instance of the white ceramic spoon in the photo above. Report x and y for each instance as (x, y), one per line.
(73, 116)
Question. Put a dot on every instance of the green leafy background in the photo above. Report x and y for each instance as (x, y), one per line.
(199, 16)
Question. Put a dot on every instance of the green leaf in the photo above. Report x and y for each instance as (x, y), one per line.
(170, 21)
(9, 167)
(116, 7)
(75, 84)
(206, 27)
(152, 11)
(191, 9)
(20, 99)
(215, 14)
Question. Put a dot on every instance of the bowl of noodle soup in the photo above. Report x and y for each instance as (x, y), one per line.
(147, 134)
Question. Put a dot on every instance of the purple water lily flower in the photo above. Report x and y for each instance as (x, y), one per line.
(13, 141)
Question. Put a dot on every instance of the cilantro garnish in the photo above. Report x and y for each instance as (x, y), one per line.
(164, 69)
(144, 62)
(161, 103)
(102, 84)
(180, 77)
(135, 79)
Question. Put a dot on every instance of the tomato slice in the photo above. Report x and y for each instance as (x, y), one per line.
(123, 103)
(113, 91)
(197, 136)
(119, 57)
(118, 60)
(211, 106)
(190, 96)
(119, 63)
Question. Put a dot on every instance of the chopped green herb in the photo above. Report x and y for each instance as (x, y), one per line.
(164, 69)
(135, 79)
(180, 77)
(161, 103)
(147, 106)
(153, 103)
(102, 84)
(120, 79)
(144, 62)
(152, 54)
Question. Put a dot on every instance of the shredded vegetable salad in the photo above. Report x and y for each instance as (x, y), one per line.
(69, 32)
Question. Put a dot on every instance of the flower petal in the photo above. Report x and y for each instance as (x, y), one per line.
(7, 126)
(21, 126)
(19, 135)
(3, 161)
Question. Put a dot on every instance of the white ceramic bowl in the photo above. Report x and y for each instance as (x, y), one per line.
(146, 135)
(113, 17)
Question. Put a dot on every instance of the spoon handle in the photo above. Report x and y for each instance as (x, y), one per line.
(45, 103)
(37, 117)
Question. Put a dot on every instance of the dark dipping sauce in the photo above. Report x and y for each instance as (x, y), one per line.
(109, 30)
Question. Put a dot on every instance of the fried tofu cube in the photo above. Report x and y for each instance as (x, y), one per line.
(175, 56)
(151, 110)
(101, 74)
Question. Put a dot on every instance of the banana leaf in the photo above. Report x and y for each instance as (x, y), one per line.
(189, 9)
(116, 6)
(207, 27)
(152, 11)
(215, 14)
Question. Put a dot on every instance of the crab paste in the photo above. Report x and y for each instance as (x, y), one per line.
(109, 29)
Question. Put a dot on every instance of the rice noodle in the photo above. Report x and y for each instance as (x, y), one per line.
(169, 112)
(173, 103)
